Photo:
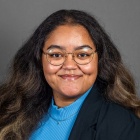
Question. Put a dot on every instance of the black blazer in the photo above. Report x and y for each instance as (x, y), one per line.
(99, 119)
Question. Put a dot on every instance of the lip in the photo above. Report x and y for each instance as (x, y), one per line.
(70, 77)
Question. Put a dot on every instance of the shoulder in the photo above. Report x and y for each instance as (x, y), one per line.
(116, 111)
(117, 114)
(119, 121)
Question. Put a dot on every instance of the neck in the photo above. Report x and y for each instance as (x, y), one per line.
(62, 102)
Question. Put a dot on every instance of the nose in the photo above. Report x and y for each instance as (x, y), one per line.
(69, 62)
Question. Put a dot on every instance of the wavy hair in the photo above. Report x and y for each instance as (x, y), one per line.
(26, 96)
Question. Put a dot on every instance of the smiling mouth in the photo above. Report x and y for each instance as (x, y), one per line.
(70, 77)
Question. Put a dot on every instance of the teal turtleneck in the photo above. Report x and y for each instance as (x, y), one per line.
(58, 122)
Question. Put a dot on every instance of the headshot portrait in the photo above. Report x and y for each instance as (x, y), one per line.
(69, 80)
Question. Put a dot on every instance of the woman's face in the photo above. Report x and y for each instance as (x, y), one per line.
(70, 80)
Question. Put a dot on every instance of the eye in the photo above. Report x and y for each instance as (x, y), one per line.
(83, 55)
(56, 55)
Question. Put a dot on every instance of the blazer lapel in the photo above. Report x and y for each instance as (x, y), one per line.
(85, 125)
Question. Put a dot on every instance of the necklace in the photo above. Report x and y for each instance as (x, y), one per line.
(59, 121)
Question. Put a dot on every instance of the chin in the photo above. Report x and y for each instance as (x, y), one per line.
(72, 94)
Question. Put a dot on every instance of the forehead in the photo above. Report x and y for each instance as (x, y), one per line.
(69, 36)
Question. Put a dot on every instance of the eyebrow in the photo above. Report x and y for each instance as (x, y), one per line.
(83, 46)
(56, 46)
(63, 48)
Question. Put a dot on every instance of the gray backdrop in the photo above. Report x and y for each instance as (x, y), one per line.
(120, 18)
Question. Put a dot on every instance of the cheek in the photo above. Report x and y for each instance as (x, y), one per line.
(91, 68)
(49, 69)
(50, 74)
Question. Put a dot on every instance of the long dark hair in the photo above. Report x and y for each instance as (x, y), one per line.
(26, 96)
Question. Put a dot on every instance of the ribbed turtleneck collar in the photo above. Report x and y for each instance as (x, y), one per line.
(67, 111)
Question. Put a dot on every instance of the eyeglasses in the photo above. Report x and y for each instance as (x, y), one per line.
(57, 56)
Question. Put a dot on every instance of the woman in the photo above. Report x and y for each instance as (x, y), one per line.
(68, 82)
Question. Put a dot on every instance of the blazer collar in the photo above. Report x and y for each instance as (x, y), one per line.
(85, 124)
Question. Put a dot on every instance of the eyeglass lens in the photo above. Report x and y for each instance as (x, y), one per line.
(57, 56)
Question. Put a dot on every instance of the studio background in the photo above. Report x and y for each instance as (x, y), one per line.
(120, 18)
